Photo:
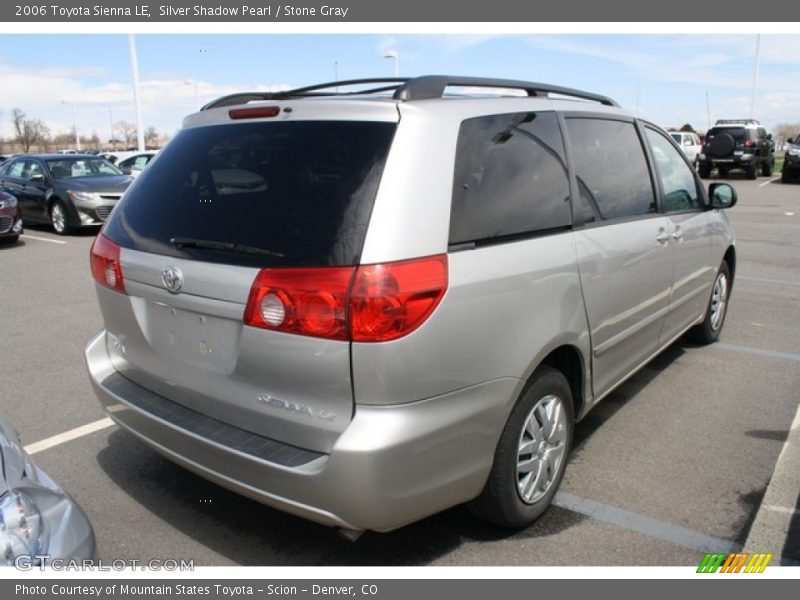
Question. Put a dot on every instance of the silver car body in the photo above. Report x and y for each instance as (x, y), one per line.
(378, 435)
(65, 533)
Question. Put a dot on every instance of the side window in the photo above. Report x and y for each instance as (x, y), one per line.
(15, 170)
(677, 178)
(611, 169)
(510, 177)
(140, 162)
(32, 168)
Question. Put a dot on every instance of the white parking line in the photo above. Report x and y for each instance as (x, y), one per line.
(768, 182)
(68, 436)
(757, 351)
(662, 530)
(771, 525)
(41, 239)
(767, 280)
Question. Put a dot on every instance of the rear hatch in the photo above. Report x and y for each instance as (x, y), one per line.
(221, 203)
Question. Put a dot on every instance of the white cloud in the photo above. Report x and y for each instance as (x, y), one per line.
(164, 102)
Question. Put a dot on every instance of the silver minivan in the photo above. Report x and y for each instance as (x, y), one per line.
(366, 302)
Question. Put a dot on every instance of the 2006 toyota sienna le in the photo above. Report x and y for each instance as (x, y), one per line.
(369, 301)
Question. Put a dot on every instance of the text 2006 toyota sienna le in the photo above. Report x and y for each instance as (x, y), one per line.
(367, 308)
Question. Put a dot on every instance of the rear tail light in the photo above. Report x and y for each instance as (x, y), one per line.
(106, 267)
(391, 300)
(371, 303)
(303, 301)
(749, 144)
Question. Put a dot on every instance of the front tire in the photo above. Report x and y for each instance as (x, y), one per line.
(708, 331)
(59, 218)
(532, 453)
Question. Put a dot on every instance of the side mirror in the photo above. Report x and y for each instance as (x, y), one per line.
(37, 178)
(126, 170)
(790, 141)
(769, 136)
(722, 195)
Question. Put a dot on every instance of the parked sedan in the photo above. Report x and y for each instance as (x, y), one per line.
(37, 518)
(10, 218)
(66, 190)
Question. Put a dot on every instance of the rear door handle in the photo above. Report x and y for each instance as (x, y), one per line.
(678, 233)
(663, 236)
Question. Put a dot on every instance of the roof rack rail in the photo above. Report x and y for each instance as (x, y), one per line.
(737, 122)
(384, 84)
(433, 86)
(407, 89)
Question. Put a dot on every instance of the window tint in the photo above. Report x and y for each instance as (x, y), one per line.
(15, 169)
(611, 169)
(677, 178)
(302, 190)
(33, 168)
(510, 178)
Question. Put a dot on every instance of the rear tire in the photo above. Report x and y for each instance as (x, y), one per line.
(767, 167)
(708, 331)
(723, 172)
(704, 170)
(752, 172)
(532, 453)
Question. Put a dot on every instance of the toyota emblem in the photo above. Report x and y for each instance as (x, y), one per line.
(172, 278)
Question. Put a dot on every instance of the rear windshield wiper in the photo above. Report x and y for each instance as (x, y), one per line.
(180, 242)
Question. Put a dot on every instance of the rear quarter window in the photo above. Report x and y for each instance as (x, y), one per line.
(301, 190)
(510, 178)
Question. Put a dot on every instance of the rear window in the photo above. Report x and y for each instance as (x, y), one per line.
(271, 194)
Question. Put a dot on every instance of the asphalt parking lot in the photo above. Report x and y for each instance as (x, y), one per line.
(676, 460)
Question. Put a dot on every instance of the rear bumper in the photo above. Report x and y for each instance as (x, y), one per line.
(392, 465)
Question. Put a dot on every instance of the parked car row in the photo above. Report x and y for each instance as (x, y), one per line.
(67, 191)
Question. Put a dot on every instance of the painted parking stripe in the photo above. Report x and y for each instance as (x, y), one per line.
(757, 351)
(767, 280)
(662, 530)
(68, 436)
(768, 182)
(772, 524)
(41, 239)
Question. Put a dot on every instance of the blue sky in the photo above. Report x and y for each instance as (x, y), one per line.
(667, 75)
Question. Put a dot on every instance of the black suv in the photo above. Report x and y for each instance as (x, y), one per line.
(737, 144)
(791, 161)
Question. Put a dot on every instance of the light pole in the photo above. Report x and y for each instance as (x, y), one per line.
(74, 124)
(111, 126)
(394, 54)
(755, 76)
(135, 75)
(196, 97)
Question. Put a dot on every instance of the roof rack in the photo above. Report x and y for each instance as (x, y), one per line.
(737, 122)
(407, 89)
